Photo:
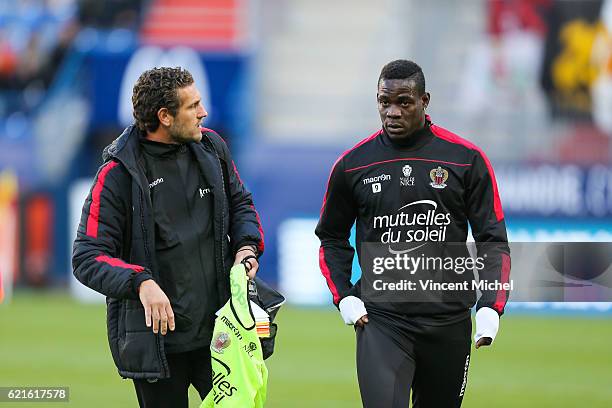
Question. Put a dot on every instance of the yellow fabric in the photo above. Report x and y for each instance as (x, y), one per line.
(240, 376)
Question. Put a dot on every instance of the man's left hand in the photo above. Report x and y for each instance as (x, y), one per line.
(484, 341)
(242, 253)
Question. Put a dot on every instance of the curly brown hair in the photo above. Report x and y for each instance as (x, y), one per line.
(155, 89)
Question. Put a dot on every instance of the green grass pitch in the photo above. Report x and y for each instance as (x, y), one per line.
(537, 361)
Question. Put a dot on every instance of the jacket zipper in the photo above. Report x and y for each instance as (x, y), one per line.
(222, 212)
(164, 369)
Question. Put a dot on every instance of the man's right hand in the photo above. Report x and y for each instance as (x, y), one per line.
(158, 310)
(487, 325)
(353, 311)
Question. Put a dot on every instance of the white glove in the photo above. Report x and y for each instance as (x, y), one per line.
(352, 309)
(487, 323)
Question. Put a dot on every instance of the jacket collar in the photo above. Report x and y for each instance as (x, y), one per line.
(126, 150)
(124, 147)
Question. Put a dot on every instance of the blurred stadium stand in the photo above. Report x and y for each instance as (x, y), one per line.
(291, 84)
(317, 68)
(202, 25)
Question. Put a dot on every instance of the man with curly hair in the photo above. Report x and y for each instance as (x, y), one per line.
(166, 218)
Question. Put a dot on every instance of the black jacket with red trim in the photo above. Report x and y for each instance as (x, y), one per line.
(113, 251)
(427, 189)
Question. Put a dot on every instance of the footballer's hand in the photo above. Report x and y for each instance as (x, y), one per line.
(484, 341)
(158, 311)
(251, 263)
(362, 321)
(353, 311)
(487, 325)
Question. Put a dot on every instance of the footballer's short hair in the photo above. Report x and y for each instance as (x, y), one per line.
(155, 89)
(404, 69)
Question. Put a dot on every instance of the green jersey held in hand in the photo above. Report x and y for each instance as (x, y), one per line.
(240, 376)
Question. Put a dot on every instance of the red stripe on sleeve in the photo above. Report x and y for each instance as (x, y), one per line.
(322, 262)
(501, 298)
(453, 138)
(261, 245)
(94, 209)
(327, 274)
(236, 172)
(118, 262)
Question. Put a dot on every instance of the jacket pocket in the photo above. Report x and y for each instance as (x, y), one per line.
(138, 352)
(135, 317)
(137, 347)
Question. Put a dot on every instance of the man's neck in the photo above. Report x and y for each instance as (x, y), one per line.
(408, 137)
(416, 131)
(414, 139)
(159, 136)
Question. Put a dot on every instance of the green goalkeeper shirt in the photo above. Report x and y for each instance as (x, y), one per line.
(240, 376)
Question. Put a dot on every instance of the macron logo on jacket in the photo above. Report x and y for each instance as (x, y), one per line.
(156, 182)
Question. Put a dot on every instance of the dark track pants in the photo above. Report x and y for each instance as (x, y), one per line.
(192, 367)
(395, 357)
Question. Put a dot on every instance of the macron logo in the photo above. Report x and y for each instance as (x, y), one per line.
(204, 191)
(376, 179)
(156, 182)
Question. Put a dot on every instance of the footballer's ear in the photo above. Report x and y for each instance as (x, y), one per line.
(164, 117)
(425, 98)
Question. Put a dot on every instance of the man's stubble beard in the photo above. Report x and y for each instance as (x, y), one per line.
(181, 137)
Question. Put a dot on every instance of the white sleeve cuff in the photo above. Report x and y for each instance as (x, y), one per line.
(352, 309)
(487, 323)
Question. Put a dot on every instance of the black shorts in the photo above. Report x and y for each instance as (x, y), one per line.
(397, 356)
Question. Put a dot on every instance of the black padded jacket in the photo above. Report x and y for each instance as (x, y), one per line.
(114, 249)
